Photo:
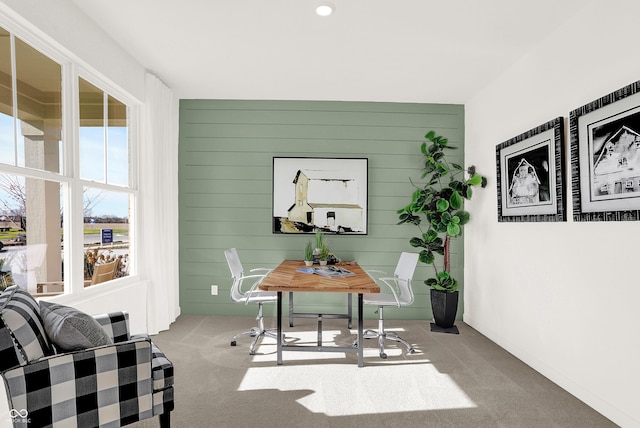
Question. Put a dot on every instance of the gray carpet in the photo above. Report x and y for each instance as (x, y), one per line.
(461, 380)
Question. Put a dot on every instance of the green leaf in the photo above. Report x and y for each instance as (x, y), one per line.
(430, 135)
(469, 192)
(456, 185)
(456, 166)
(427, 257)
(455, 219)
(442, 169)
(453, 230)
(442, 205)
(455, 200)
(475, 180)
(417, 242)
(423, 148)
(445, 217)
(464, 217)
(430, 235)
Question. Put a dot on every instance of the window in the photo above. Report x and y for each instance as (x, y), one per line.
(35, 225)
(104, 159)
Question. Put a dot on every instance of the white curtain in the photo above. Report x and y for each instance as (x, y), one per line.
(158, 207)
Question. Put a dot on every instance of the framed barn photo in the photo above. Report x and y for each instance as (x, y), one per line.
(530, 175)
(327, 194)
(605, 157)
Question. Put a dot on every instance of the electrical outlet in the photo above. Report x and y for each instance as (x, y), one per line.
(214, 290)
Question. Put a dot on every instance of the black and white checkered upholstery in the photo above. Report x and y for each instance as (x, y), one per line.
(105, 386)
(116, 324)
(22, 335)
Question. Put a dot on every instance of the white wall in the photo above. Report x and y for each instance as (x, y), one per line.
(151, 298)
(73, 31)
(563, 297)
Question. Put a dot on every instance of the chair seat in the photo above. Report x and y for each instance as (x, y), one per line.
(379, 299)
(260, 296)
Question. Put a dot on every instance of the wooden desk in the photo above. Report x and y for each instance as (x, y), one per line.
(286, 278)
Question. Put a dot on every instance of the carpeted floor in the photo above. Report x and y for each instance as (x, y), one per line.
(453, 380)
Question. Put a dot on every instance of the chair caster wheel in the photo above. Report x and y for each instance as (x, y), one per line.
(383, 355)
(412, 351)
(233, 343)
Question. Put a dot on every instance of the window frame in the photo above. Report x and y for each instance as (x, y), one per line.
(72, 185)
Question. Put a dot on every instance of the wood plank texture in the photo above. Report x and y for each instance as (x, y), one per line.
(286, 277)
(226, 150)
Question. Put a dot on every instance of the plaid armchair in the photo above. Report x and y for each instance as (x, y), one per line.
(111, 385)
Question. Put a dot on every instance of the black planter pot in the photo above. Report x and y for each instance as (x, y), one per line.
(444, 307)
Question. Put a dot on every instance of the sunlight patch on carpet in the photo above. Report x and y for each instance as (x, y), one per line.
(345, 389)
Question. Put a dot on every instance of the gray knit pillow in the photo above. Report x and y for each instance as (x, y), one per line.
(70, 329)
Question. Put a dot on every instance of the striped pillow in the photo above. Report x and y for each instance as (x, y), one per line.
(22, 335)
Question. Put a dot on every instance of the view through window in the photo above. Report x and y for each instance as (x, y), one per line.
(34, 182)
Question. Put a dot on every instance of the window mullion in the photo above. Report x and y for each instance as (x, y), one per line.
(14, 97)
(105, 118)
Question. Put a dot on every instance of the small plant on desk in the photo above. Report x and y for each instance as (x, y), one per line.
(308, 254)
(324, 253)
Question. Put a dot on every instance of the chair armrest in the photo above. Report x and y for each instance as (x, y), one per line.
(116, 324)
(261, 269)
(253, 287)
(392, 288)
(95, 372)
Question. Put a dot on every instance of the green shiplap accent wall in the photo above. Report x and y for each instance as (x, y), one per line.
(225, 182)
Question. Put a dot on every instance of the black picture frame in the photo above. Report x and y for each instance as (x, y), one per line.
(605, 157)
(327, 194)
(530, 175)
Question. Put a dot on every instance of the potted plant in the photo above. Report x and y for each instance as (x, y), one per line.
(319, 240)
(323, 255)
(308, 254)
(438, 201)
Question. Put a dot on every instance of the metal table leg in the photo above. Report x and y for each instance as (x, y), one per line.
(279, 339)
(360, 330)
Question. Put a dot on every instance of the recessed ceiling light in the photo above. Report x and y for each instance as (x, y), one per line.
(325, 9)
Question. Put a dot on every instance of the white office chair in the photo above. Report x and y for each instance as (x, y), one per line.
(401, 295)
(252, 295)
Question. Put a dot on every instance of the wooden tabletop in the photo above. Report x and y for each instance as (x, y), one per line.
(285, 277)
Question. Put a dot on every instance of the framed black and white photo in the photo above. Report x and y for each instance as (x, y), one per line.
(605, 157)
(327, 194)
(530, 175)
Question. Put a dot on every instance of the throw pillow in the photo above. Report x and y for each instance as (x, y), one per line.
(70, 329)
(22, 335)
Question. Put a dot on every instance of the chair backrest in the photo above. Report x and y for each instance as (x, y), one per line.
(404, 274)
(104, 272)
(237, 271)
(233, 260)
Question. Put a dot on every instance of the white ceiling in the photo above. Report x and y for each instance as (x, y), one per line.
(436, 51)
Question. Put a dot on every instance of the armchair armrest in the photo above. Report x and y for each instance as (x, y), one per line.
(43, 389)
(116, 324)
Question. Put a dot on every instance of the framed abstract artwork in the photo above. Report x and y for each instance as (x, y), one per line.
(530, 175)
(327, 194)
(605, 157)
